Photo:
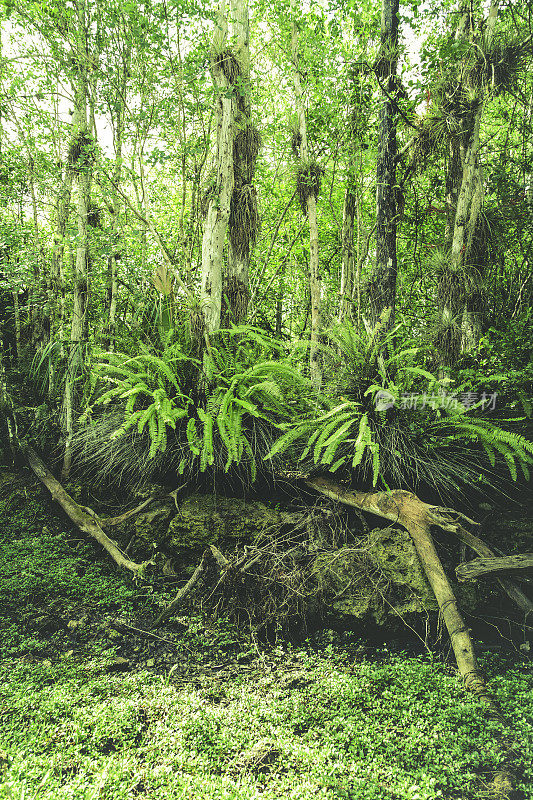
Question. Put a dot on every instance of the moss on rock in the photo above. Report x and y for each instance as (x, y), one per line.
(206, 519)
(380, 579)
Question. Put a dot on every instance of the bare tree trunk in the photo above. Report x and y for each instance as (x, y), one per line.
(6, 404)
(225, 77)
(309, 176)
(80, 158)
(86, 522)
(16, 321)
(117, 114)
(57, 274)
(347, 283)
(382, 282)
(469, 202)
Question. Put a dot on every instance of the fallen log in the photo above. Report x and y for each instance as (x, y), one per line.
(416, 517)
(408, 510)
(489, 566)
(482, 549)
(84, 520)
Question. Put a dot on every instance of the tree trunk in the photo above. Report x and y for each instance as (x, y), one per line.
(310, 207)
(80, 157)
(243, 219)
(117, 114)
(220, 200)
(347, 251)
(469, 201)
(382, 282)
(80, 516)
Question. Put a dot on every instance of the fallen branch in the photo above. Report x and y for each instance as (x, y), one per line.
(482, 549)
(111, 522)
(488, 566)
(84, 521)
(417, 517)
(212, 557)
(408, 510)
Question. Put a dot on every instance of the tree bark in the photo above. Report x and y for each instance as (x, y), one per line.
(242, 236)
(80, 279)
(315, 285)
(382, 282)
(220, 200)
(347, 250)
(469, 196)
(117, 116)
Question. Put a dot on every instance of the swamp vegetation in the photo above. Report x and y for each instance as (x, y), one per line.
(266, 398)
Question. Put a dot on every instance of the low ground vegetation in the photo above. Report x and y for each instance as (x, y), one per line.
(91, 707)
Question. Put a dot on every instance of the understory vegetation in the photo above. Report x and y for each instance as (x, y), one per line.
(204, 710)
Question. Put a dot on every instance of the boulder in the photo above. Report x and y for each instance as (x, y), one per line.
(151, 525)
(380, 579)
(225, 521)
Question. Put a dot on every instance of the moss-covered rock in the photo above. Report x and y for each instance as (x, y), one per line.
(151, 525)
(226, 521)
(380, 579)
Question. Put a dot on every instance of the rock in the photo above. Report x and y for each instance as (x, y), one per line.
(378, 581)
(119, 665)
(151, 525)
(225, 521)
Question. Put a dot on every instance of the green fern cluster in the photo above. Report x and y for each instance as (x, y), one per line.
(515, 450)
(149, 381)
(235, 416)
(343, 428)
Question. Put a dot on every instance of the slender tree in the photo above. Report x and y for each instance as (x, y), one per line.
(244, 218)
(308, 185)
(382, 282)
(225, 71)
(81, 155)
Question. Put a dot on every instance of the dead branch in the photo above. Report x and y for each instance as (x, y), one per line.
(211, 557)
(84, 521)
(488, 566)
(417, 517)
(482, 549)
(408, 510)
(111, 522)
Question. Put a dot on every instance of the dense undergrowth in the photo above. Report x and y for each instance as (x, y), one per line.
(210, 713)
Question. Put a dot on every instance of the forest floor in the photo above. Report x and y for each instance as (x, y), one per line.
(92, 708)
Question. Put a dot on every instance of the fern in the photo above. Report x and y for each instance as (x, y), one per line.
(514, 449)
(343, 428)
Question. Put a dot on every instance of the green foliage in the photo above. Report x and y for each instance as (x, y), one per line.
(343, 427)
(513, 448)
(224, 410)
(150, 381)
(376, 433)
(320, 724)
